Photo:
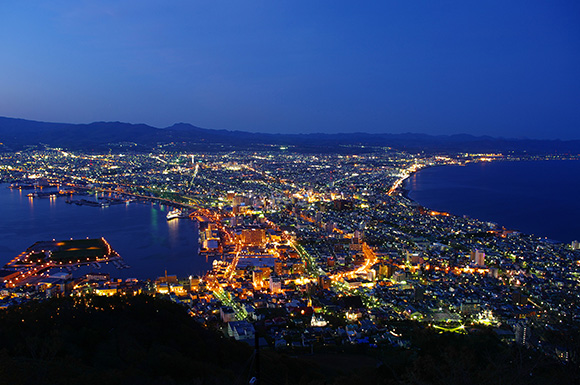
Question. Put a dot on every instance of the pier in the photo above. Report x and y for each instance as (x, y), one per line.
(39, 258)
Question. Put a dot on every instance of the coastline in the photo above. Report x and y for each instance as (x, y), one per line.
(475, 204)
(140, 233)
(405, 191)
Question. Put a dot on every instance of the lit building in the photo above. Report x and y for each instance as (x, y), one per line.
(210, 238)
(470, 306)
(253, 237)
(241, 200)
(522, 333)
(329, 227)
(477, 257)
(258, 277)
(275, 285)
(211, 243)
(241, 330)
(298, 268)
(194, 283)
(227, 314)
(385, 271)
(106, 291)
(324, 282)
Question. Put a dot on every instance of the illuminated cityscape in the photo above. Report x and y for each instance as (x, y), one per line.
(320, 249)
(290, 192)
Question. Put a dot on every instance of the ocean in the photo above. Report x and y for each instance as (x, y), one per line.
(139, 232)
(535, 197)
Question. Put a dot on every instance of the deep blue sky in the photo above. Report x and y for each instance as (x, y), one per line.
(501, 68)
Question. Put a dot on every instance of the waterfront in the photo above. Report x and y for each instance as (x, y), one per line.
(290, 224)
(535, 197)
(139, 232)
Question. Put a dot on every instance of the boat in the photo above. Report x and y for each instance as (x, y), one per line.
(175, 214)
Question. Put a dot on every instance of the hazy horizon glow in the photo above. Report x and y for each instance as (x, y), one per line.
(505, 69)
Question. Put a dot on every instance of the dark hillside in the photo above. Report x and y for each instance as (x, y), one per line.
(147, 340)
(18, 134)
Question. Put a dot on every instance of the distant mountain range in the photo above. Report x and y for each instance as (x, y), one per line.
(17, 134)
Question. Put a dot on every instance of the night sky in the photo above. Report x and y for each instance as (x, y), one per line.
(500, 68)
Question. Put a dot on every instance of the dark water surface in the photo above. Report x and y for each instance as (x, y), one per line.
(535, 197)
(139, 232)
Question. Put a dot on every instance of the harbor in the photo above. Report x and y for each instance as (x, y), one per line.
(136, 228)
(38, 260)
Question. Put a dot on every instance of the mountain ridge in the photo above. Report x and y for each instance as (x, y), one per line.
(17, 133)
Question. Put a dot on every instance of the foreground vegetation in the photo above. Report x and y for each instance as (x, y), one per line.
(148, 340)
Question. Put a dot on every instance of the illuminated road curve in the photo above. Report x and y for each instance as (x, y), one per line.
(370, 260)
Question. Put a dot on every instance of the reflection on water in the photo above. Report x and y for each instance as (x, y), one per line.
(139, 232)
(154, 219)
(173, 230)
(411, 183)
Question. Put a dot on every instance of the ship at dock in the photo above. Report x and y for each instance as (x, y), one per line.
(176, 214)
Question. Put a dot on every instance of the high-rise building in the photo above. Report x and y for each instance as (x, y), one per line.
(324, 282)
(275, 285)
(385, 270)
(477, 257)
(258, 278)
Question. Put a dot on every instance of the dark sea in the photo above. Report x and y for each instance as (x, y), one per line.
(535, 197)
(139, 232)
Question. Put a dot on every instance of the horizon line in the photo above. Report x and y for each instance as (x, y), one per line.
(484, 136)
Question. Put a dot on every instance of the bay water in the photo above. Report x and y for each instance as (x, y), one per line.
(139, 232)
(535, 197)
